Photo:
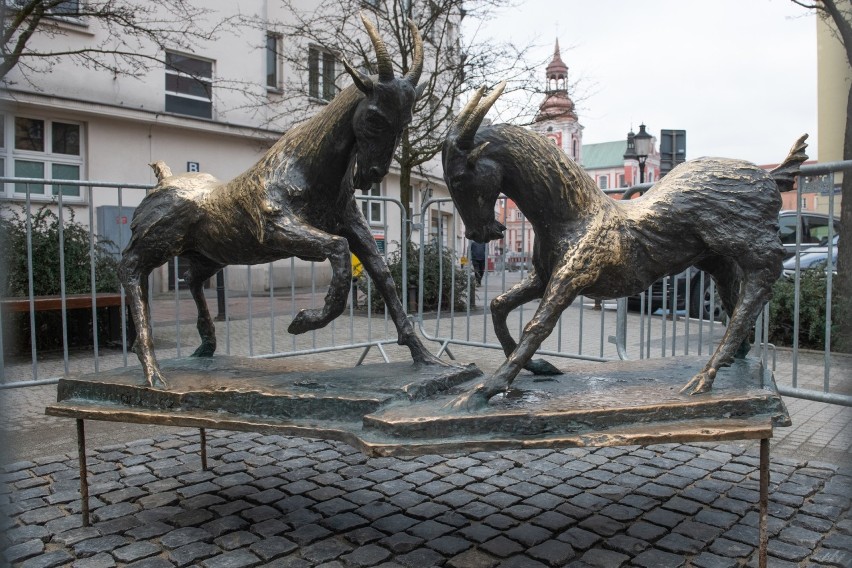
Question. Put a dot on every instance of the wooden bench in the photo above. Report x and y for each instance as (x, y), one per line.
(112, 301)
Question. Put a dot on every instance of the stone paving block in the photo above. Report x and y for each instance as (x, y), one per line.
(579, 538)
(149, 530)
(473, 558)
(272, 547)
(840, 541)
(656, 558)
(377, 510)
(24, 550)
(369, 555)
(325, 550)
(501, 546)
(602, 525)
(730, 548)
(602, 558)
(709, 560)
(101, 560)
(95, 545)
(828, 557)
(626, 544)
(183, 536)
(448, 545)
(344, 522)
(307, 534)
(364, 535)
(25, 533)
(49, 560)
(193, 553)
(136, 551)
(236, 559)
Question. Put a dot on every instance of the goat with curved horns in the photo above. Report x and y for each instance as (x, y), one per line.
(298, 200)
(718, 214)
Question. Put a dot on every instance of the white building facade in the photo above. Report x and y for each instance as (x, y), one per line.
(214, 108)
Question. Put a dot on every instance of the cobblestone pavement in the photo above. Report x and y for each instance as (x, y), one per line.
(279, 501)
(282, 501)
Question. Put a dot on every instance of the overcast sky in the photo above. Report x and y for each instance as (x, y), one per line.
(738, 75)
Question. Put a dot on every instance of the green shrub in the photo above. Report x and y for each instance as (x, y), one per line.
(438, 269)
(45, 255)
(812, 314)
(46, 279)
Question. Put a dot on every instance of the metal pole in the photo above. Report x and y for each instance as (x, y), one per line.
(84, 482)
(220, 295)
(203, 433)
(764, 500)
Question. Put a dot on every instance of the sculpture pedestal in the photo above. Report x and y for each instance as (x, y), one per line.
(398, 408)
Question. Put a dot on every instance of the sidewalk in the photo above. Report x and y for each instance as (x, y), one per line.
(280, 501)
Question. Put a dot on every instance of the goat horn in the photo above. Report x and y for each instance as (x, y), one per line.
(416, 69)
(385, 64)
(462, 117)
(471, 124)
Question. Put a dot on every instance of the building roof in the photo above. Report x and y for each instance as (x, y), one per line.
(604, 154)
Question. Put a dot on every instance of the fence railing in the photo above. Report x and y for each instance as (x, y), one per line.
(256, 316)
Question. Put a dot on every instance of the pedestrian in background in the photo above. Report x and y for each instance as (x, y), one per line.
(477, 259)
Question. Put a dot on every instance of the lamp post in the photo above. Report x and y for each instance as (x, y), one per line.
(642, 148)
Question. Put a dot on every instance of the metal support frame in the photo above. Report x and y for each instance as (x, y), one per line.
(84, 482)
(763, 503)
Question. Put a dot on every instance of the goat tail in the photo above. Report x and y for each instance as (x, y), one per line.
(786, 173)
(161, 170)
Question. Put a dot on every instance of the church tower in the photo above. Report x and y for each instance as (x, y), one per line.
(556, 118)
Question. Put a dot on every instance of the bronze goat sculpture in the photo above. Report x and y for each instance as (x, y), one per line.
(298, 200)
(717, 214)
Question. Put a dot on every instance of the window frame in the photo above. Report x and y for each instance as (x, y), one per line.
(321, 82)
(278, 61)
(11, 156)
(369, 207)
(204, 81)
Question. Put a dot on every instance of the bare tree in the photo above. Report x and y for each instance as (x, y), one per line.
(838, 14)
(130, 29)
(454, 64)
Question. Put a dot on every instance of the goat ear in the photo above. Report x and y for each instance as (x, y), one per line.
(420, 89)
(474, 154)
(362, 81)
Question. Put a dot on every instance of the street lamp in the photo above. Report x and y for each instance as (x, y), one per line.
(642, 146)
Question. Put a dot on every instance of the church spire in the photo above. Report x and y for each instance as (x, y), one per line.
(557, 104)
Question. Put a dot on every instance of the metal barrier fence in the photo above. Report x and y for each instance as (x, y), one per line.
(665, 327)
(249, 323)
(255, 324)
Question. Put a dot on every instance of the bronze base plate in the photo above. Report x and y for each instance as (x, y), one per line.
(398, 408)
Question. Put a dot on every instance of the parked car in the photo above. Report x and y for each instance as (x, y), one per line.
(812, 258)
(815, 228)
(700, 300)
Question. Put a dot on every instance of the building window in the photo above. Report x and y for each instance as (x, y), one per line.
(603, 182)
(66, 8)
(40, 148)
(804, 203)
(622, 182)
(575, 149)
(273, 61)
(372, 210)
(321, 74)
(189, 85)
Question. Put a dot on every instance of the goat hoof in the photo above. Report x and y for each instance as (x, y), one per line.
(700, 383)
(541, 367)
(204, 350)
(305, 320)
(157, 381)
(469, 401)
